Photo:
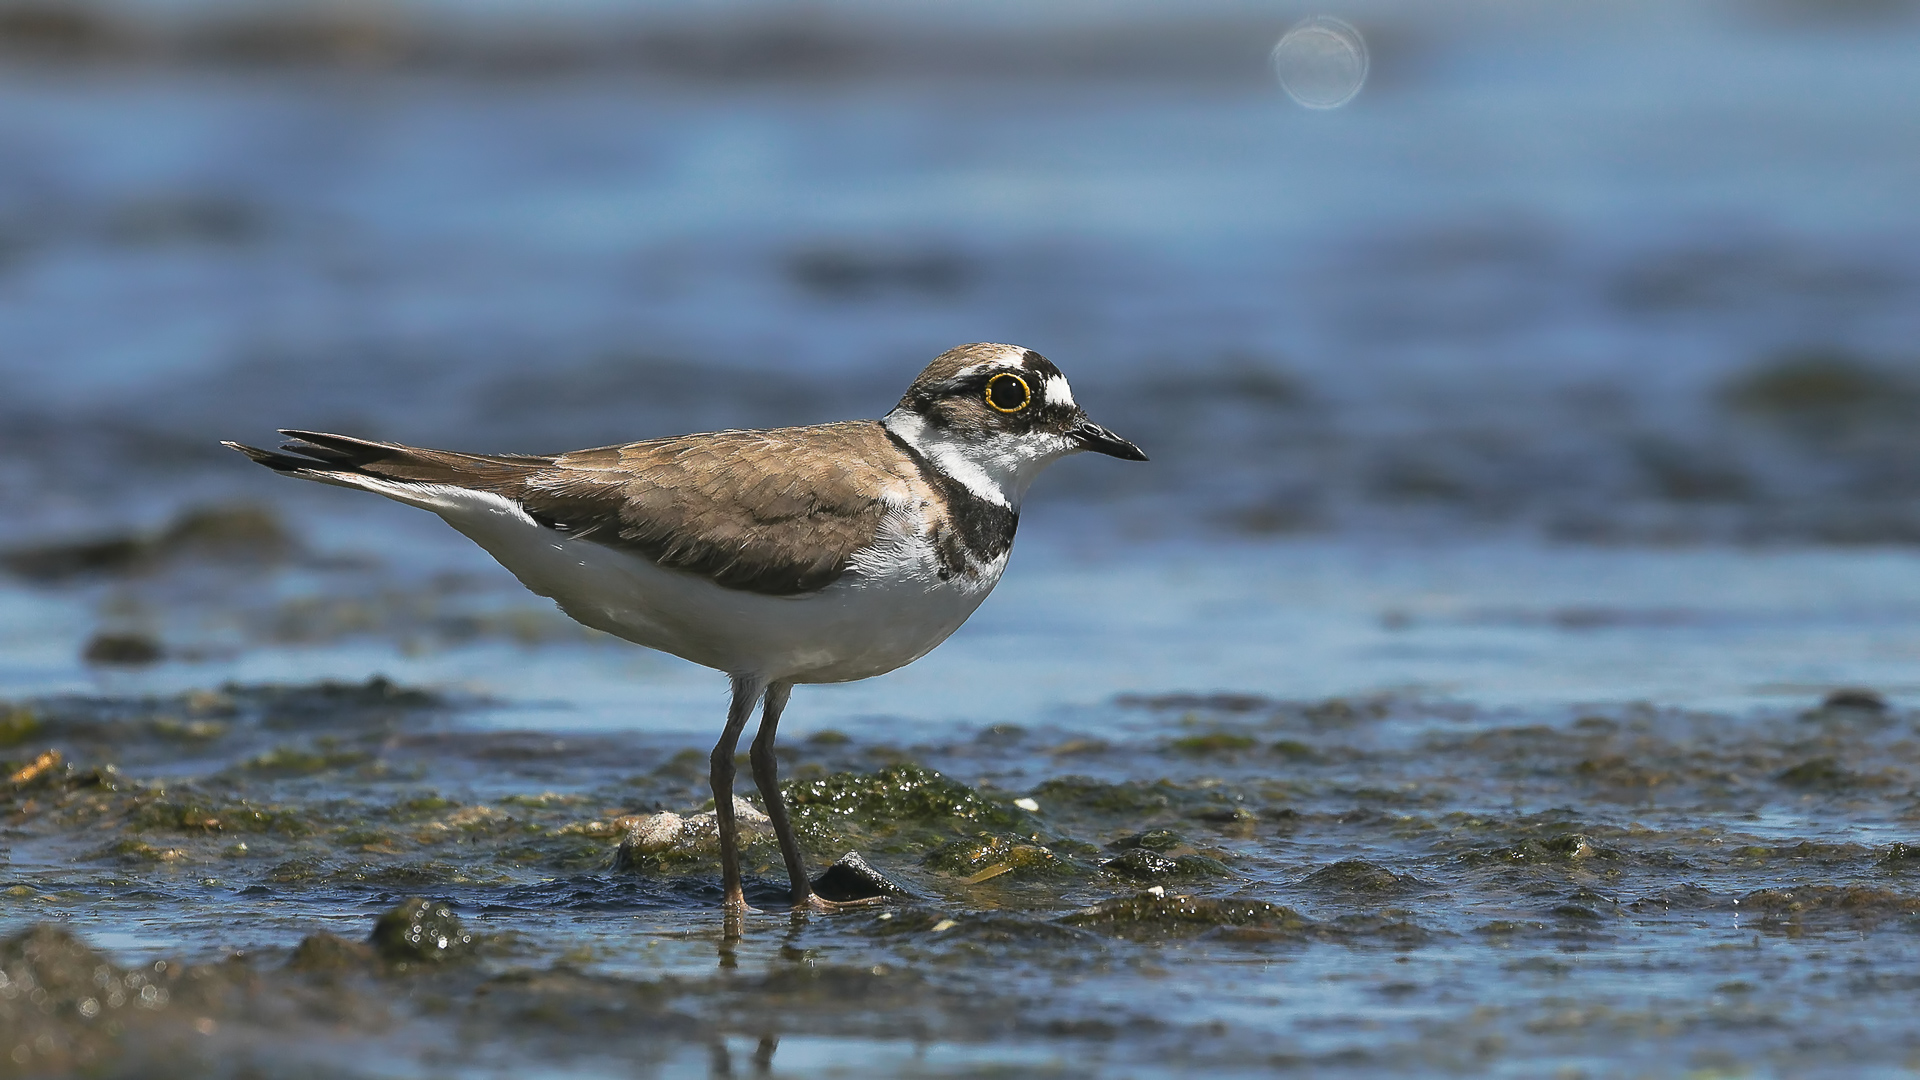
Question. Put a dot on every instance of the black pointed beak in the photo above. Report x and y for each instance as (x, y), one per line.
(1092, 436)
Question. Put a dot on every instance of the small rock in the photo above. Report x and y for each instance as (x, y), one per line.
(1855, 698)
(123, 650)
(420, 930)
(852, 878)
(671, 834)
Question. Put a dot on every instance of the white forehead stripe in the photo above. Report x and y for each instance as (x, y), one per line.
(1057, 392)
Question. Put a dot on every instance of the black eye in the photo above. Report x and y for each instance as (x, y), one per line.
(1007, 392)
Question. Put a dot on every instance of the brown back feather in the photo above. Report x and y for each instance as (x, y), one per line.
(779, 512)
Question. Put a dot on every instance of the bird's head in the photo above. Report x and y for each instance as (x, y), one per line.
(992, 416)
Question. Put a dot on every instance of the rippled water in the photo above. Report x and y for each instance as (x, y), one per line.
(1532, 444)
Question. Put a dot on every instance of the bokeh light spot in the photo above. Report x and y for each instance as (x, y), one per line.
(1321, 63)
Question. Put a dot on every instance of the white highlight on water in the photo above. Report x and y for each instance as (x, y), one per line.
(1321, 63)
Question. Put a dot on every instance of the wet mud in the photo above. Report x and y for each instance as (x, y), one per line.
(228, 878)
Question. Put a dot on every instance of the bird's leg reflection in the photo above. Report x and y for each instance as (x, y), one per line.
(763, 1055)
(720, 1059)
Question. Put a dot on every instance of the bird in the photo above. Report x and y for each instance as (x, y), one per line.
(819, 554)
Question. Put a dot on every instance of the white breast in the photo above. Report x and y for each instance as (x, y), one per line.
(890, 609)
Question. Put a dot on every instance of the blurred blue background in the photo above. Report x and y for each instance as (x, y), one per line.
(1608, 271)
(1624, 273)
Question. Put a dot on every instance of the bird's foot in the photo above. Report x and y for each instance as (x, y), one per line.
(817, 903)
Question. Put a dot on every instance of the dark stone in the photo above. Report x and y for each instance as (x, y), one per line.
(229, 535)
(1819, 774)
(126, 650)
(421, 930)
(852, 879)
(1855, 698)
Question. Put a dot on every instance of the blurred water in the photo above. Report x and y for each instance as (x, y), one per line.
(1509, 284)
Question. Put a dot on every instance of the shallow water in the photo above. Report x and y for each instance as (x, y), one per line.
(1532, 445)
(1582, 811)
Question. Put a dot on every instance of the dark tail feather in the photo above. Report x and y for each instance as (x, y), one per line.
(343, 450)
(317, 455)
(274, 460)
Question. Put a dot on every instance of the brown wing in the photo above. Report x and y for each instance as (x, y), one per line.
(778, 512)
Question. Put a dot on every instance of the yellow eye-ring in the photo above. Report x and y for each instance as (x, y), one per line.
(1009, 393)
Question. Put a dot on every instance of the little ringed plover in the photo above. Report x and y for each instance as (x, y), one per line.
(792, 555)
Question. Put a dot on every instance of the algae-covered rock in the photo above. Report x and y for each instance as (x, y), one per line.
(1141, 863)
(18, 723)
(1823, 774)
(897, 805)
(325, 756)
(1567, 848)
(186, 812)
(1214, 742)
(1160, 840)
(1359, 877)
(65, 1008)
(1155, 913)
(1815, 905)
(1131, 798)
(420, 930)
(51, 1003)
(984, 857)
(1900, 858)
(324, 952)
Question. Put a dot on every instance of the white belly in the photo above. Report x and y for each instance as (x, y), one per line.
(891, 611)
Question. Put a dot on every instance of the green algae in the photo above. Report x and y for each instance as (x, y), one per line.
(897, 807)
(1141, 864)
(322, 757)
(1214, 742)
(1113, 799)
(1156, 914)
(185, 813)
(18, 723)
(996, 855)
(1360, 877)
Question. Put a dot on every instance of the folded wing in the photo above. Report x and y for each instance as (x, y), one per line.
(778, 512)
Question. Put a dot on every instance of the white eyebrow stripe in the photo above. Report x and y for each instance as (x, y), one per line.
(1057, 392)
